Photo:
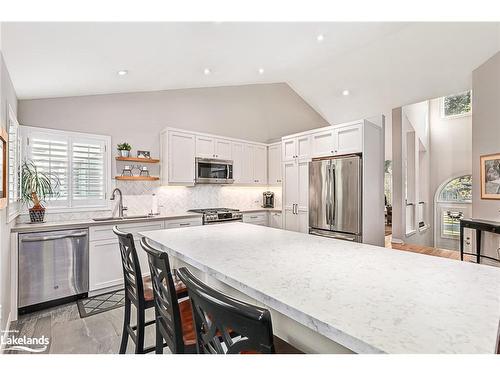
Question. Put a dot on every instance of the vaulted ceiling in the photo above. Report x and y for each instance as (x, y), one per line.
(383, 65)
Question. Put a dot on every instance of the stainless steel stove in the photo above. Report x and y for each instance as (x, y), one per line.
(219, 215)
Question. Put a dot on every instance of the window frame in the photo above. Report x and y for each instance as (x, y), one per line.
(13, 206)
(72, 136)
(450, 117)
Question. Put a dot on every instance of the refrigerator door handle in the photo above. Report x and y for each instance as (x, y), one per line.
(334, 198)
(327, 203)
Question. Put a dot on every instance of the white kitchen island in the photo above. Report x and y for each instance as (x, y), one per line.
(332, 296)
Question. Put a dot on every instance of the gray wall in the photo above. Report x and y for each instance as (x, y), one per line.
(7, 97)
(252, 112)
(485, 138)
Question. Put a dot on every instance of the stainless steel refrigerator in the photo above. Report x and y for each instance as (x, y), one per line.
(335, 197)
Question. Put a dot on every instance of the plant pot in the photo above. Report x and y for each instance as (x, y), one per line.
(124, 153)
(37, 215)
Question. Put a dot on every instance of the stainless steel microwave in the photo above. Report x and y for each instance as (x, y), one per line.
(214, 171)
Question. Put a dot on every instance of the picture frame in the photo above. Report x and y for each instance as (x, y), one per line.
(144, 154)
(4, 138)
(490, 176)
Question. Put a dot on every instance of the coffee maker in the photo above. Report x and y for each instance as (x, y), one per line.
(268, 199)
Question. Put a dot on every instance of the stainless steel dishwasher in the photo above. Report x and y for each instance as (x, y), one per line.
(52, 265)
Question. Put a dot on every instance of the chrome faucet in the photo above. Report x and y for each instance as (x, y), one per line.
(120, 202)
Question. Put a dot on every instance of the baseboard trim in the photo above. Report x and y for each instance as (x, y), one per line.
(5, 334)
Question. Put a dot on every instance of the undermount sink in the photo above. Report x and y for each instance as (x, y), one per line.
(121, 218)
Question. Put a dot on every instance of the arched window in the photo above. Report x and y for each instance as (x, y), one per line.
(457, 190)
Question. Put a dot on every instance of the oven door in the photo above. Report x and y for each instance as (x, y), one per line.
(214, 171)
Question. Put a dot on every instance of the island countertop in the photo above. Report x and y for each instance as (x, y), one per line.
(366, 298)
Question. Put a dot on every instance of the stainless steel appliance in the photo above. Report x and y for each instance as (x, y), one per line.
(52, 265)
(268, 199)
(335, 197)
(214, 171)
(219, 215)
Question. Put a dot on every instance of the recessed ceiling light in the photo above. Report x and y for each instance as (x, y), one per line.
(261, 70)
(345, 92)
(207, 71)
(122, 72)
(320, 38)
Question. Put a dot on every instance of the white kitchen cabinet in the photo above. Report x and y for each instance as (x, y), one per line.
(275, 220)
(296, 195)
(298, 147)
(178, 154)
(259, 165)
(213, 148)
(323, 143)
(183, 223)
(105, 265)
(257, 218)
(274, 164)
(348, 139)
(205, 147)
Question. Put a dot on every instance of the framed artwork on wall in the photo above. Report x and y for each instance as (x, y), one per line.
(490, 176)
(3, 164)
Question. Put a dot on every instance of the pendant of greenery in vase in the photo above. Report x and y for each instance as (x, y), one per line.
(124, 149)
(36, 187)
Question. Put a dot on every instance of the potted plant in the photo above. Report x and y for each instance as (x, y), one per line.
(36, 187)
(124, 149)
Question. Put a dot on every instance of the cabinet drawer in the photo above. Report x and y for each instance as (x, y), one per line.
(105, 232)
(259, 218)
(181, 223)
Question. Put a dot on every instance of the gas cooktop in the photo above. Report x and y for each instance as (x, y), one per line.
(217, 215)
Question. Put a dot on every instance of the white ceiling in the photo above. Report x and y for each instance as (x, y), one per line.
(384, 65)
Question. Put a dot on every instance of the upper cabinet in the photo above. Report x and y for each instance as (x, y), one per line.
(177, 150)
(274, 164)
(259, 165)
(337, 140)
(213, 148)
(249, 163)
(296, 148)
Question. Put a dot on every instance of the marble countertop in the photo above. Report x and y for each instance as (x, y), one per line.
(366, 298)
(28, 227)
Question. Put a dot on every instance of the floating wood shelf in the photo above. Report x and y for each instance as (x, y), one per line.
(138, 160)
(137, 178)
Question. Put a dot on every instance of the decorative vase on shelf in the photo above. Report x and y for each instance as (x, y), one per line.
(124, 153)
(37, 214)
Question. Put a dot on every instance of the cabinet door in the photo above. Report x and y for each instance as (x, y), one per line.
(205, 147)
(223, 149)
(275, 220)
(303, 221)
(348, 139)
(260, 165)
(247, 165)
(289, 149)
(105, 264)
(323, 143)
(303, 185)
(290, 194)
(181, 155)
(274, 164)
(237, 154)
(303, 147)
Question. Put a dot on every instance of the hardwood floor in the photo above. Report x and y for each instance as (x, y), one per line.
(443, 253)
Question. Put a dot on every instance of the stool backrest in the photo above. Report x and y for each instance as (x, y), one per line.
(132, 276)
(225, 325)
(167, 307)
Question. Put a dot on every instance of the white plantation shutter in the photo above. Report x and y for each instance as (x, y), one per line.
(88, 171)
(80, 161)
(50, 153)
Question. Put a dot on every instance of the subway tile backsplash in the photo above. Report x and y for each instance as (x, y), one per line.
(138, 198)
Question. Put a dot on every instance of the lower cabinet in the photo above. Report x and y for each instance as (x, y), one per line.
(275, 220)
(257, 218)
(105, 265)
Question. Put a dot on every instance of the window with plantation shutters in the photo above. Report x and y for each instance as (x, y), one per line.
(79, 161)
(14, 163)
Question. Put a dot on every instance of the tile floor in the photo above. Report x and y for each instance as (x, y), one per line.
(70, 334)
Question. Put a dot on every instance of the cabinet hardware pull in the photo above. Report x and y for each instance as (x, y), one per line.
(184, 224)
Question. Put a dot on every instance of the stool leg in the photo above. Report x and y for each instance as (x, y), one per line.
(126, 323)
(139, 347)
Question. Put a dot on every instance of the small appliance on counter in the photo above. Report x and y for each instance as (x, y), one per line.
(268, 199)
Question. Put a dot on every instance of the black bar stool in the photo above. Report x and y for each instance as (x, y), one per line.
(174, 318)
(225, 325)
(139, 292)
